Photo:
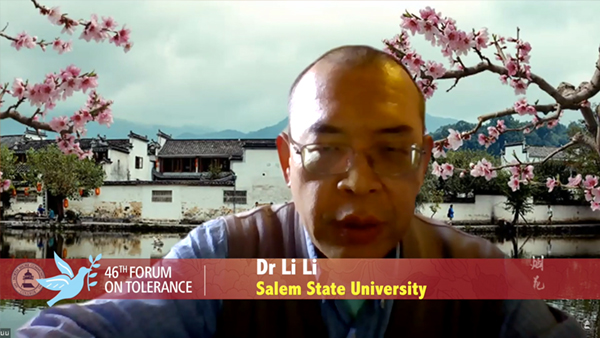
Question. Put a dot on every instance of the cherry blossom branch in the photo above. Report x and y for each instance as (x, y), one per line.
(60, 86)
(515, 71)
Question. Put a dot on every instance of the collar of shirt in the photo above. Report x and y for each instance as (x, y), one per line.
(312, 254)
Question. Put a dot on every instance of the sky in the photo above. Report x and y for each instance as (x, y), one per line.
(229, 65)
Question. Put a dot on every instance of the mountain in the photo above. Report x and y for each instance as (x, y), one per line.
(432, 122)
(121, 128)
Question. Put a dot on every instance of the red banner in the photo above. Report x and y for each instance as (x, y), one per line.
(300, 279)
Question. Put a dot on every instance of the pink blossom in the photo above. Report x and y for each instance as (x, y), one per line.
(438, 151)
(54, 15)
(483, 168)
(413, 62)
(527, 70)
(411, 24)
(88, 82)
(66, 143)
(109, 23)
(463, 44)
(512, 67)
(552, 123)
(454, 139)
(521, 106)
(427, 87)
(514, 169)
(574, 181)
(519, 86)
(19, 90)
(429, 31)
(58, 124)
(447, 51)
(24, 40)
(436, 170)
(105, 117)
(429, 14)
(93, 31)
(596, 194)
(590, 181)
(5, 186)
(550, 184)
(78, 121)
(121, 37)
(595, 206)
(493, 132)
(527, 173)
(70, 71)
(86, 155)
(434, 69)
(501, 126)
(62, 46)
(514, 183)
(482, 39)
(588, 195)
(69, 86)
(504, 79)
(447, 170)
(485, 140)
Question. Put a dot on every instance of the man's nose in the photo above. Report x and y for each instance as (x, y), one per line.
(361, 179)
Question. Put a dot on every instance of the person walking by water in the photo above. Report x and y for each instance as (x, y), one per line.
(450, 213)
(550, 214)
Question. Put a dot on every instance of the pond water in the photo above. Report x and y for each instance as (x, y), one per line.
(42, 244)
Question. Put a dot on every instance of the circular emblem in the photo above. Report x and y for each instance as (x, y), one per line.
(24, 279)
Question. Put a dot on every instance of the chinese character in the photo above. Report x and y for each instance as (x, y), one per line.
(536, 284)
(537, 263)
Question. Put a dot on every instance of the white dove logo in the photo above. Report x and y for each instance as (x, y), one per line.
(67, 283)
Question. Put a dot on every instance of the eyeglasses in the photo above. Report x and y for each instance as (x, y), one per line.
(333, 159)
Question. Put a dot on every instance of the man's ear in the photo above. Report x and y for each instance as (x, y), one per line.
(283, 150)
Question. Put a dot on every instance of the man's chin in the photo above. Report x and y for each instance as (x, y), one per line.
(372, 250)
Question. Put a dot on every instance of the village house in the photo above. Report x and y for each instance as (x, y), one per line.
(168, 180)
(527, 153)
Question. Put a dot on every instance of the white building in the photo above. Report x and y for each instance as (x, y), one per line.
(171, 180)
(526, 153)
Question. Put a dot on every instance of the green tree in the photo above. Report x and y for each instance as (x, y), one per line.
(468, 184)
(8, 167)
(62, 175)
(430, 193)
(8, 163)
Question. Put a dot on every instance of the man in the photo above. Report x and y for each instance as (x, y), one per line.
(450, 214)
(354, 157)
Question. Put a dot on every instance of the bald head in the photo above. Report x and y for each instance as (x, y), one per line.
(346, 58)
(355, 146)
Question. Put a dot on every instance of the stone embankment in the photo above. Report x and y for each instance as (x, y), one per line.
(92, 224)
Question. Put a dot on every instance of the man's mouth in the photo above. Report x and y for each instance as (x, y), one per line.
(359, 230)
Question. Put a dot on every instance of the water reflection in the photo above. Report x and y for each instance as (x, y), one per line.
(552, 246)
(70, 244)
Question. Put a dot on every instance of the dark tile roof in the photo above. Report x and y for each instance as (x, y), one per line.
(204, 183)
(542, 152)
(213, 148)
(224, 176)
(138, 136)
(20, 144)
(202, 148)
(260, 143)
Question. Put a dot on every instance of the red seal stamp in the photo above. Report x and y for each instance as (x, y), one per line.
(24, 279)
